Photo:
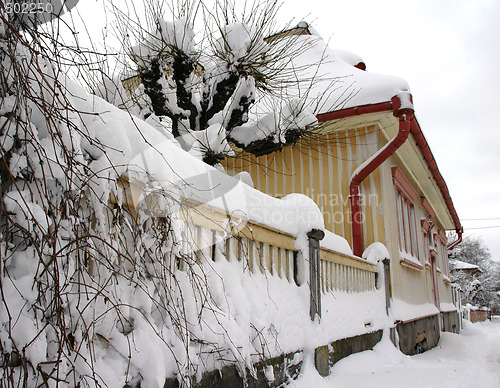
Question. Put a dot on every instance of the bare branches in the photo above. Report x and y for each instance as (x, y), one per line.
(214, 72)
(88, 280)
(91, 280)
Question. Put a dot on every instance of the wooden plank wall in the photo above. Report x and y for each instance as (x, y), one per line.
(320, 166)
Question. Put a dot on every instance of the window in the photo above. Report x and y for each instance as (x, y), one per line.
(407, 225)
(427, 244)
(441, 241)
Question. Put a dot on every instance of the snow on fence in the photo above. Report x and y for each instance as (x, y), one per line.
(210, 233)
(276, 256)
(261, 248)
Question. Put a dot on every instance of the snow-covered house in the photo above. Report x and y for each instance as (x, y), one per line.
(470, 270)
(465, 277)
(371, 172)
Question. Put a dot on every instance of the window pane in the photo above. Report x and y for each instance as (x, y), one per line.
(413, 232)
(426, 246)
(400, 221)
(406, 220)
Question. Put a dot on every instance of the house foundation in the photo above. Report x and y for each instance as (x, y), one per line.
(451, 322)
(418, 335)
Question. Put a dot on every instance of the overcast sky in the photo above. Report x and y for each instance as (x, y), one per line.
(448, 52)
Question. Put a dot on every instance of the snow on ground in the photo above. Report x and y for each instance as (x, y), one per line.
(470, 359)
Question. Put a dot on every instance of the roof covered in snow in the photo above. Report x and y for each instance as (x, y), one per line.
(463, 266)
(338, 77)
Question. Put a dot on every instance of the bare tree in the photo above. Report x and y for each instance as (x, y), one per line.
(231, 82)
(481, 288)
(86, 281)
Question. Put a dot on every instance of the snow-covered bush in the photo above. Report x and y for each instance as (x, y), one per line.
(91, 292)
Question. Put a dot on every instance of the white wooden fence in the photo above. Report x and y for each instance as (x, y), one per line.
(267, 250)
(213, 234)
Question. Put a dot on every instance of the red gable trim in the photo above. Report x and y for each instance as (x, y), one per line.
(431, 162)
(355, 111)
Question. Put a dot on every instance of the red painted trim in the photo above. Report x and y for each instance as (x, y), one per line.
(355, 111)
(433, 251)
(404, 185)
(361, 66)
(457, 241)
(441, 234)
(383, 154)
(418, 318)
(427, 206)
(431, 162)
(426, 225)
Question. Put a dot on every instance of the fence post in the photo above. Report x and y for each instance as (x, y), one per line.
(387, 284)
(314, 237)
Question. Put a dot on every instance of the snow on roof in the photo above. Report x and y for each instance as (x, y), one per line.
(336, 81)
(461, 265)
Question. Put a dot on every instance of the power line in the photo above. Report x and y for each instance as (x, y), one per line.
(479, 219)
(484, 227)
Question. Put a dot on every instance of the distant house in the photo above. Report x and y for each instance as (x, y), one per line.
(466, 277)
(467, 269)
(371, 172)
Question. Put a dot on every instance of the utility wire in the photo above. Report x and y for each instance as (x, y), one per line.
(479, 219)
(484, 227)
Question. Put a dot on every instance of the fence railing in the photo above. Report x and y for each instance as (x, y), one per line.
(258, 248)
(345, 273)
(212, 233)
(262, 248)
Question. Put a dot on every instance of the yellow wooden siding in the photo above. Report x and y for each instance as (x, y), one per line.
(320, 166)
